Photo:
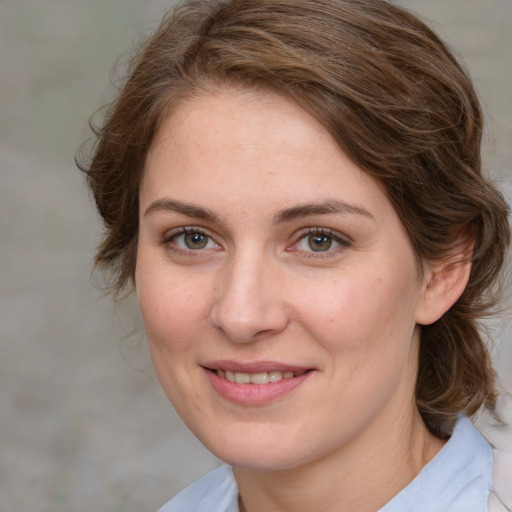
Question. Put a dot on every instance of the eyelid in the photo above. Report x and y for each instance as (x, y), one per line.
(344, 240)
(167, 240)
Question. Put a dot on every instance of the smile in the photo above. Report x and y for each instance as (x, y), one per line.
(253, 384)
(257, 378)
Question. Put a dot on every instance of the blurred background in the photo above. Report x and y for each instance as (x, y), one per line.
(83, 423)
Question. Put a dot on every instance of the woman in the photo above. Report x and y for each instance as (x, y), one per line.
(294, 191)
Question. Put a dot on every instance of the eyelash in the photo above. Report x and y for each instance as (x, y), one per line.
(169, 241)
(344, 242)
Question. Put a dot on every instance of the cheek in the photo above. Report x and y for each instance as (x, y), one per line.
(173, 309)
(174, 312)
(361, 312)
(366, 327)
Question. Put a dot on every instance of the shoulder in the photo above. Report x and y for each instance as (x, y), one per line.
(499, 435)
(214, 492)
(500, 499)
(459, 477)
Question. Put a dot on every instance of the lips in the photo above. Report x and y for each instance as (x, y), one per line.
(254, 383)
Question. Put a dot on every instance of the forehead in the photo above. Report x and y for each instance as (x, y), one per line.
(238, 119)
(241, 152)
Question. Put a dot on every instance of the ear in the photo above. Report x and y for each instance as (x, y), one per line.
(443, 284)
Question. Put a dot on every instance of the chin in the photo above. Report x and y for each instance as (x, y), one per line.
(254, 451)
(259, 459)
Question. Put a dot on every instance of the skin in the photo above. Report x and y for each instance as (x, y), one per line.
(246, 282)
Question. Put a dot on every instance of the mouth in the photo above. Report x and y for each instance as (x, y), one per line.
(258, 378)
(255, 383)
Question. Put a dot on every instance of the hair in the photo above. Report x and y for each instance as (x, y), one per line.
(394, 99)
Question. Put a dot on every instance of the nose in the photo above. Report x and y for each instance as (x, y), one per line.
(248, 301)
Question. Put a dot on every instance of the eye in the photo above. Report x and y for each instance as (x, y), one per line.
(191, 240)
(318, 240)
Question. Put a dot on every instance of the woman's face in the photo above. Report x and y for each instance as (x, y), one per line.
(265, 256)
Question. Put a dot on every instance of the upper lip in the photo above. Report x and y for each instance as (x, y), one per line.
(254, 366)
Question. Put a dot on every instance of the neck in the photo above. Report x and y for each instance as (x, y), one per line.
(361, 476)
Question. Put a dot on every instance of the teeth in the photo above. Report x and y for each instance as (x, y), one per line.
(256, 378)
(260, 378)
(275, 376)
(242, 378)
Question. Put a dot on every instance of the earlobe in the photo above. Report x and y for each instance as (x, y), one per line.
(443, 284)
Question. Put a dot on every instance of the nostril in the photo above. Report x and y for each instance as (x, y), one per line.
(252, 324)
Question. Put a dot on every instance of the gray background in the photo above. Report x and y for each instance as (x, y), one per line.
(83, 424)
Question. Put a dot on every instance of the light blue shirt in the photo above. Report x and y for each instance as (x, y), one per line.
(458, 479)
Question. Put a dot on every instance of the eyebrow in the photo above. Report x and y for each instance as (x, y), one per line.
(188, 209)
(329, 207)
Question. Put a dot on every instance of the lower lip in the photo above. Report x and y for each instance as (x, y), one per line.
(254, 394)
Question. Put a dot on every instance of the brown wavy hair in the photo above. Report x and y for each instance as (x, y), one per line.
(394, 99)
